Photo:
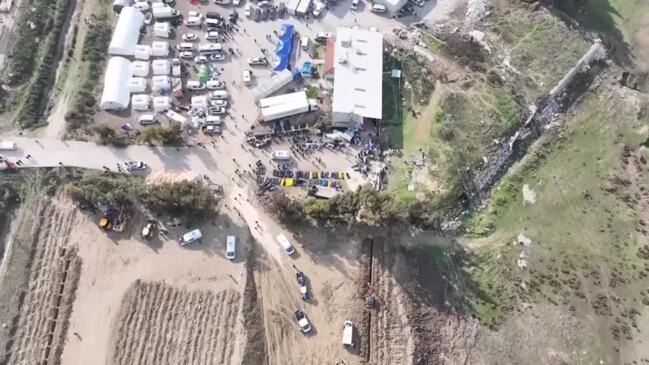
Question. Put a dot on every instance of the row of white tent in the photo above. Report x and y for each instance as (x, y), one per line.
(142, 102)
(124, 78)
(156, 49)
(158, 83)
(158, 67)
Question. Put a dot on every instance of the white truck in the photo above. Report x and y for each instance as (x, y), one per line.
(286, 105)
(8, 146)
(286, 245)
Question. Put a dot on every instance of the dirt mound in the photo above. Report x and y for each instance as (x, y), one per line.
(38, 329)
(255, 347)
(160, 324)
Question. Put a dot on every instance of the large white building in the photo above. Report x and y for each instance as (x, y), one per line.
(358, 81)
(117, 84)
(126, 33)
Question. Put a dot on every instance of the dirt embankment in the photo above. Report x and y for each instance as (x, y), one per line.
(255, 351)
(39, 281)
(160, 324)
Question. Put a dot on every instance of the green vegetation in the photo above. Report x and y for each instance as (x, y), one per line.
(311, 92)
(108, 135)
(157, 134)
(93, 55)
(189, 200)
(34, 57)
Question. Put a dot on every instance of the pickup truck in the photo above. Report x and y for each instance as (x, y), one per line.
(302, 321)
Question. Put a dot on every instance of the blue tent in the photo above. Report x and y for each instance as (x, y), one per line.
(284, 45)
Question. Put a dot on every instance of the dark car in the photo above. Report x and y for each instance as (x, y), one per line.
(281, 10)
(272, 14)
(264, 13)
(257, 15)
(214, 15)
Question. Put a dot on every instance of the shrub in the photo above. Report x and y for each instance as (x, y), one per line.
(185, 199)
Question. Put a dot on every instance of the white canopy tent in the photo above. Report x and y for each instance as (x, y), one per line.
(126, 33)
(140, 68)
(140, 102)
(160, 83)
(142, 52)
(160, 49)
(161, 67)
(199, 102)
(137, 85)
(161, 103)
(116, 90)
(276, 82)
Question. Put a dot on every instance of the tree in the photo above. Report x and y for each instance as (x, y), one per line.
(286, 209)
(184, 199)
(164, 136)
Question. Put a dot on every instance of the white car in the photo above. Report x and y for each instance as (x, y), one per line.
(318, 8)
(212, 36)
(195, 85)
(194, 14)
(215, 85)
(378, 8)
(216, 57)
(248, 9)
(355, 5)
(200, 59)
(135, 166)
(186, 55)
(236, 2)
(219, 103)
(322, 36)
(189, 37)
(258, 61)
(302, 321)
(247, 77)
(218, 110)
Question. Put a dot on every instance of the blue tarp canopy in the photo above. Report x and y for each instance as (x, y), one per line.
(284, 45)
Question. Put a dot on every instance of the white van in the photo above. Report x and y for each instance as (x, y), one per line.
(280, 155)
(304, 43)
(210, 48)
(348, 334)
(219, 94)
(146, 119)
(215, 85)
(286, 245)
(231, 247)
(213, 119)
(193, 21)
(191, 236)
(7, 146)
(195, 85)
(141, 6)
(378, 8)
(185, 46)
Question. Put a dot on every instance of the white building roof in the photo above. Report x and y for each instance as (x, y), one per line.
(160, 48)
(126, 33)
(137, 85)
(299, 96)
(140, 68)
(161, 67)
(116, 92)
(142, 52)
(358, 59)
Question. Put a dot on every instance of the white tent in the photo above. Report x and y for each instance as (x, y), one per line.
(142, 52)
(161, 103)
(137, 85)
(140, 102)
(160, 83)
(161, 67)
(160, 49)
(140, 68)
(126, 33)
(199, 102)
(116, 93)
(162, 30)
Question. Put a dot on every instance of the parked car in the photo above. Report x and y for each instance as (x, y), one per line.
(215, 85)
(302, 321)
(248, 9)
(216, 56)
(148, 18)
(257, 14)
(135, 166)
(230, 247)
(304, 43)
(419, 3)
(218, 110)
(378, 8)
(355, 5)
(281, 10)
(322, 36)
(247, 77)
(318, 8)
(258, 61)
(213, 36)
(236, 2)
(219, 103)
(211, 129)
(200, 59)
(264, 13)
(189, 37)
(186, 55)
(233, 15)
(265, 3)
(147, 119)
(195, 85)
(193, 21)
(272, 14)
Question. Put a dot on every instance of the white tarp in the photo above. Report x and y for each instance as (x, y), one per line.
(142, 52)
(200, 102)
(160, 83)
(116, 92)
(162, 29)
(137, 85)
(276, 82)
(160, 67)
(140, 102)
(140, 68)
(161, 103)
(126, 33)
(160, 49)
